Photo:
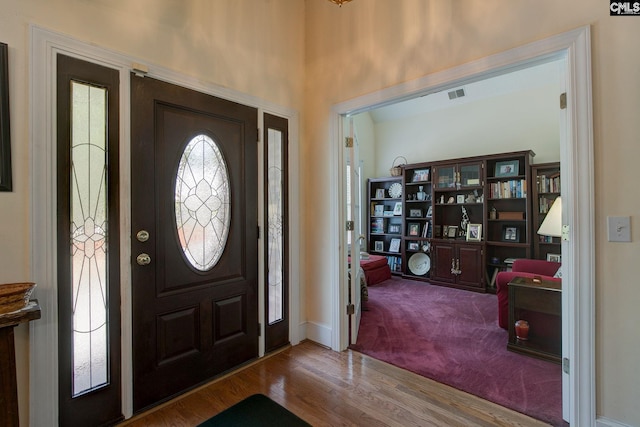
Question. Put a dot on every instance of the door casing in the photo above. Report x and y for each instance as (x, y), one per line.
(576, 154)
(43, 338)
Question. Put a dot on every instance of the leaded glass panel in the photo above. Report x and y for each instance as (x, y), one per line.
(275, 220)
(202, 203)
(89, 233)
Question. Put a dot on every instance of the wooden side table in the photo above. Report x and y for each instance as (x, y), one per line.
(8, 383)
(540, 303)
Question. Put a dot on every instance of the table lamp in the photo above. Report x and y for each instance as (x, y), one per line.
(552, 224)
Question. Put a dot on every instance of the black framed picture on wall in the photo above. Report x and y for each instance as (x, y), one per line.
(5, 131)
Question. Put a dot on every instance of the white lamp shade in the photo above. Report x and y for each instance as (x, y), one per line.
(552, 224)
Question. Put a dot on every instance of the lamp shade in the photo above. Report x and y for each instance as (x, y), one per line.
(552, 224)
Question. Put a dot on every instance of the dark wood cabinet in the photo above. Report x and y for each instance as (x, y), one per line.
(545, 189)
(539, 302)
(8, 381)
(458, 263)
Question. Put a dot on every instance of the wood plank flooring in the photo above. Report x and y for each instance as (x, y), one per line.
(328, 388)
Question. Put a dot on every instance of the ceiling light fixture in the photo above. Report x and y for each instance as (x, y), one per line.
(339, 2)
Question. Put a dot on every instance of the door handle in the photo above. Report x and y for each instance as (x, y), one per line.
(142, 235)
(143, 259)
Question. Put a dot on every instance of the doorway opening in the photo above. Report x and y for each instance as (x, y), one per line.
(576, 148)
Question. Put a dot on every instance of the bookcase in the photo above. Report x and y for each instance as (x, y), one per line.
(455, 222)
(418, 216)
(509, 220)
(385, 224)
(458, 194)
(544, 192)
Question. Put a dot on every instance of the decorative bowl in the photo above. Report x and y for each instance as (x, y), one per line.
(15, 296)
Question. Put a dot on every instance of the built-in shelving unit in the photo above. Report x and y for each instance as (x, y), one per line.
(385, 225)
(545, 191)
(455, 222)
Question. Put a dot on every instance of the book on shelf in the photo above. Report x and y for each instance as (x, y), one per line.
(544, 204)
(511, 189)
(377, 225)
(548, 183)
(425, 230)
(395, 263)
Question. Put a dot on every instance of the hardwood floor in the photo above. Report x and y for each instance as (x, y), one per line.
(328, 388)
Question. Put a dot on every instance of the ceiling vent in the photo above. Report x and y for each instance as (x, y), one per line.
(458, 93)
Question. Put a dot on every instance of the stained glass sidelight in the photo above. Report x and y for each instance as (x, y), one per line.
(89, 232)
(275, 220)
(202, 203)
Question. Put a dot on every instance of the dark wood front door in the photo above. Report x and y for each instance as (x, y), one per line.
(194, 238)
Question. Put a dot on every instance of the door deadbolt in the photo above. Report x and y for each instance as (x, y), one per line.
(142, 235)
(143, 259)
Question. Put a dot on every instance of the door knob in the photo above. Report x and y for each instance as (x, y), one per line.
(143, 259)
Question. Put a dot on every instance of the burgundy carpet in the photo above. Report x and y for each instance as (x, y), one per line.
(452, 336)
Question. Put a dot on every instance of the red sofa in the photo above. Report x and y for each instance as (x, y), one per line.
(521, 268)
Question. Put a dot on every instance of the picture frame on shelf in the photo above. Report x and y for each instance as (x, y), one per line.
(414, 246)
(394, 228)
(420, 175)
(445, 231)
(378, 210)
(378, 246)
(415, 213)
(474, 232)
(460, 198)
(429, 212)
(388, 213)
(397, 209)
(507, 168)
(380, 193)
(554, 257)
(413, 229)
(394, 246)
(452, 231)
(511, 233)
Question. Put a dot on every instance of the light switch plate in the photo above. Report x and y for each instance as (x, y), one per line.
(619, 228)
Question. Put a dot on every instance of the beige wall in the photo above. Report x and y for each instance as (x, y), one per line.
(253, 46)
(261, 47)
(369, 45)
(528, 120)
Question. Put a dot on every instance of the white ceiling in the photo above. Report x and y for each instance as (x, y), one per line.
(516, 81)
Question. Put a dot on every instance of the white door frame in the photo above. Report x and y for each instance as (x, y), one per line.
(576, 156)
(43, 336)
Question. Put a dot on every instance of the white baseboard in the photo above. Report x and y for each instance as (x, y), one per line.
(606, 422)
(321, 334)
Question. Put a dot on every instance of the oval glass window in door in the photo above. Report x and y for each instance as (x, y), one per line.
(203, 203)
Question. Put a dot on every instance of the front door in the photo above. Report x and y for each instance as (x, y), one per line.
(194, 238)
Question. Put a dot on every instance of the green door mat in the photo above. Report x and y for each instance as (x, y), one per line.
(256, 411)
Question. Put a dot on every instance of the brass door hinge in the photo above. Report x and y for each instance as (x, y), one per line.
(350, 226)
(563, 100)
(351, 309)
(348, 142)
